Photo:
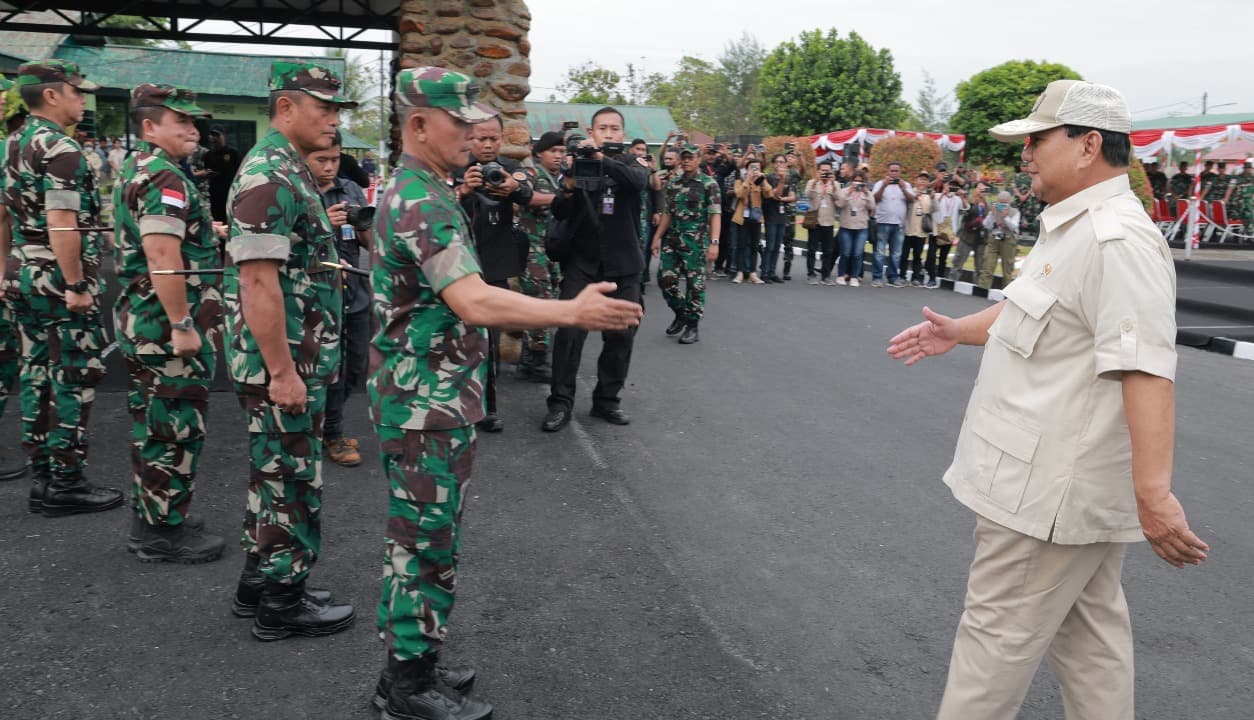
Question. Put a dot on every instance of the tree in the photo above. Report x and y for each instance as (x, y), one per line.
(931, 110)
(996, 95)
(823, 82)
(591, 83)
(715, 97)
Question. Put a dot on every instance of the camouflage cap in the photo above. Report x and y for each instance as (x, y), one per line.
(54, 71)
(313, 79)
(690, 150)
(434, 87)
(6, 84)
(178, 99)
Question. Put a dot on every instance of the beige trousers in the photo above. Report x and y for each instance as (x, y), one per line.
(1028, 599)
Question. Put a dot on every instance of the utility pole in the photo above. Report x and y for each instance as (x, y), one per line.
(1204, 102)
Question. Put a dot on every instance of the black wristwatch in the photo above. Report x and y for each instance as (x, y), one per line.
(79, 287)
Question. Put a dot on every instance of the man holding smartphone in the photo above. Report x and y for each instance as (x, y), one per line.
(892, 196)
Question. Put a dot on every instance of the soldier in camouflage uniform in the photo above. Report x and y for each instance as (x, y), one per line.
(283, 350)
(1217, 185)
(10, 336)
(168, 326)
(686, 237)
(50, 193)
(1026, 202)
(1237, 198)
(790, 211)
(541, 278)
(428, 371)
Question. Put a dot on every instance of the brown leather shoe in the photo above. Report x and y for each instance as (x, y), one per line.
(343, 451)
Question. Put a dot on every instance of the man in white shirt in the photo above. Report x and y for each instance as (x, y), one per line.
(891, 194)
(1065, 451)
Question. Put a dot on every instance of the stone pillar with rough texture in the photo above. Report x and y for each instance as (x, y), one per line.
(485, 39)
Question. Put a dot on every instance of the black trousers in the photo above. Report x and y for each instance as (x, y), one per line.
(912, 247)
(723, 262)
(355, 352)
(616, 346)
(935, 251)
(824, 240)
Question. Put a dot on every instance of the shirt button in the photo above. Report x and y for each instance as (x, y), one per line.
(1127, 325)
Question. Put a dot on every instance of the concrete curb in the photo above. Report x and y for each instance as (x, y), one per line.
(1224, 346)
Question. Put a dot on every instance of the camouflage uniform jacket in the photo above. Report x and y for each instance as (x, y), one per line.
(427, 367)
(1181, 184)
(154, 197)
(535, 221)
(45, 169)
(690, 201)
(276, 214)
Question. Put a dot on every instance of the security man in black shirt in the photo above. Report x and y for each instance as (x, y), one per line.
(601, 220)
(489, 188)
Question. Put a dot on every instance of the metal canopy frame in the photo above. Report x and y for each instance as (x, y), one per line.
(324, 23)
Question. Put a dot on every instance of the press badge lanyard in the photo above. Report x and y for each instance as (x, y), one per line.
(607, 201)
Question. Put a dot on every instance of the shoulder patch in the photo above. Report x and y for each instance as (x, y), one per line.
(520, 176)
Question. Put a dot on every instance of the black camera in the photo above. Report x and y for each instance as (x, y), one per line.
(587, 171)
(360, 217)
(493, 174)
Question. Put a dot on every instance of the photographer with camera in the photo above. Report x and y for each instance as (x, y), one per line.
(947, 215)
(822, 193)
(599, 202)
(351, 218)
(489, 189)
(856, 207)
(972, 237)
(1002, 229)
(892, 196)
(748, 218)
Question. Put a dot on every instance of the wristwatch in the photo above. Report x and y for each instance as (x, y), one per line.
(80, 287)
(714, 241)
(185, 324)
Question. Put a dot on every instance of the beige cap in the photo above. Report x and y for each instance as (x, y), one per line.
(1071, 102)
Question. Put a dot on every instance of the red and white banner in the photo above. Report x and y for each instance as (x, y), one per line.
(832, 145)
(1150, 143)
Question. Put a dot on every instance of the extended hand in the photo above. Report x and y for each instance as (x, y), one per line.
(595, 311)
(288, 393)
(935, 336)
(186, 343)
(1167, 530)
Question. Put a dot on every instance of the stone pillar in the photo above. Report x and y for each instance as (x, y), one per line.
(485, 39)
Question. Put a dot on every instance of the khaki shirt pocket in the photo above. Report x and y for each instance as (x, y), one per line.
(1024, 317)
(1004, 458)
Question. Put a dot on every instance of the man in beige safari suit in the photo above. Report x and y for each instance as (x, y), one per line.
(1065, 452)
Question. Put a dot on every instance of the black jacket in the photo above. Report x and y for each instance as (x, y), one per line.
(607, 246)
(502, 251)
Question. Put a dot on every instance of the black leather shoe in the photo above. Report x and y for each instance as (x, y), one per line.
(417, 694)
(193, 522)
(461, 679)
(676, 326)
(12, 468)
(38, 486)
(285, 610)
(178, 544)
(251, 581)
(73, 495)
(491, 423)
(689, 337)
(555, 420)
(614, 416)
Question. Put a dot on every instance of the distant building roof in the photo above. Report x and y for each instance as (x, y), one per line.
(350, 141)
(651, 122)
(125, 66)
(1175, 123)
(21, 47)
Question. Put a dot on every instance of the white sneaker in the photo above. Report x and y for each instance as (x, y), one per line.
(854, 282)
(753, 278)
(841, 280)
(740, 277)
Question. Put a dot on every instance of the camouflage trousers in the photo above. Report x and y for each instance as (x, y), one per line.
(10, 353)
(683, 260)
(540, 279)
(281, 521)
(61, 366)
(168, 399)
(427, 474)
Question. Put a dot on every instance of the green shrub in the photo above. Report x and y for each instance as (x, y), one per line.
(913, 153)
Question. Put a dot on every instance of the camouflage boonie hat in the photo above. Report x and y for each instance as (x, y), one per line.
(313, 79)
(178, 99)
(434, 87)
(6, 84)
(690, 149)
(54, 71)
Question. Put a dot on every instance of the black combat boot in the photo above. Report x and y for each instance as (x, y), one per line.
(417, 694)
(526, 365)
(285, 610)
(690, 335)
(40, 477)
(251, 581)
(135, 536)
(180, 543)
(12, 468)
(677, 325)
(541, 371)
(72, 494)
(461, 679)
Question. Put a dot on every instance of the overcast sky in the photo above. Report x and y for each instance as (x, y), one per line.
(1162, 55)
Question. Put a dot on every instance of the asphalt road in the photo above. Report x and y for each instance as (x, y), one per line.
(769, 539)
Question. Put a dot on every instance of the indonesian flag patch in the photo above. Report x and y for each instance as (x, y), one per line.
(173, 198)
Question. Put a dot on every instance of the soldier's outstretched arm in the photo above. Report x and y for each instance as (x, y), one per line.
(483, 305)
